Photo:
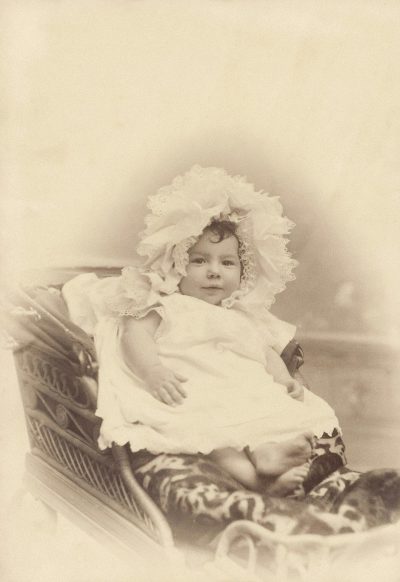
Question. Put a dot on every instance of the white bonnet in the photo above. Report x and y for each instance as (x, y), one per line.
(180, 212)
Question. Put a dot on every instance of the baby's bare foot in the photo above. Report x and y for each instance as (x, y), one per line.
(274, 459)
(288, 482)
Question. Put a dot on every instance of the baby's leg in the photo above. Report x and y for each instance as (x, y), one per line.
(273, 459)
(237, 464)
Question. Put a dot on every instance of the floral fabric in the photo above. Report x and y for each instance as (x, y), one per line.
(200, 500)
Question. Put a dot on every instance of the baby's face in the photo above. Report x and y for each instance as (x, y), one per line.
(213, 272)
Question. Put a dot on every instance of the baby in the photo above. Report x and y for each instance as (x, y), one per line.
(213, 274)
(188, 350)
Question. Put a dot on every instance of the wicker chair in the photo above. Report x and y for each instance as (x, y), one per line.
(57, 373)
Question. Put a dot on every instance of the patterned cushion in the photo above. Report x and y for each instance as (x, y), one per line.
(200, 499)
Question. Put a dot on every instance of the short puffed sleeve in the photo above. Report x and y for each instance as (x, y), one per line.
(90, 298)
(87, 299)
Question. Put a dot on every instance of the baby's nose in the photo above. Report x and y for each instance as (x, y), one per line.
(213, 270)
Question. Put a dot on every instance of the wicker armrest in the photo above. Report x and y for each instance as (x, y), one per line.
(56, 396)
(57, 372)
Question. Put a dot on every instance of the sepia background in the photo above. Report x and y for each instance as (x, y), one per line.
(107, 101)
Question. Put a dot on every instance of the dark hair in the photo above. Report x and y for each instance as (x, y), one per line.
(222, 229)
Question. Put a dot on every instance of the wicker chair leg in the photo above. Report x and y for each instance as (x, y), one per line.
(121, 456)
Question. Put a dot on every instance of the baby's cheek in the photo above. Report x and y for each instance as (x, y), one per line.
(234, 283)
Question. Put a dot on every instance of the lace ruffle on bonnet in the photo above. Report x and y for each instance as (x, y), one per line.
(178, 215)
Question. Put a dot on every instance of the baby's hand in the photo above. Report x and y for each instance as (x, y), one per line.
(165, 385)
(295, 390)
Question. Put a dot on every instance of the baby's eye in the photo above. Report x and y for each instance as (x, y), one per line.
(228, 263)
(197, 260)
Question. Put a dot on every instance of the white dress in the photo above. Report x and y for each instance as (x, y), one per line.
(232, 400)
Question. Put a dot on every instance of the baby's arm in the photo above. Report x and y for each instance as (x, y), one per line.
(140, 350)
(276, 367)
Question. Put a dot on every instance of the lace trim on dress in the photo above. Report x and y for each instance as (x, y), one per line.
(136, 296)
(140, 436)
